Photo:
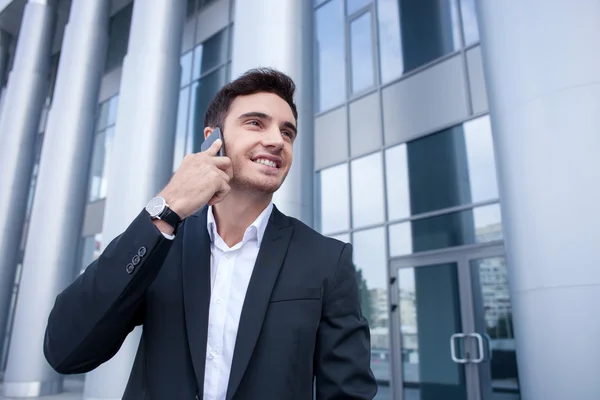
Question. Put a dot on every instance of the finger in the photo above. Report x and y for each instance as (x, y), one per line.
(224, 175)
(222, 162)
(214, 148)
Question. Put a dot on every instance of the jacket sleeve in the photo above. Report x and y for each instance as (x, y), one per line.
(343, 351)
(92, 317)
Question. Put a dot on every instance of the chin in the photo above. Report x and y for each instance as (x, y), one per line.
(266, 186)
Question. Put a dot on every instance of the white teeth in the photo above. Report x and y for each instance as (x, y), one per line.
(266, 162)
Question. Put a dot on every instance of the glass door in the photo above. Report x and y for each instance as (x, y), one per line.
(497, 372)
(452, 334)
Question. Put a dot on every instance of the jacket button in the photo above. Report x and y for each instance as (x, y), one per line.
(130, 268)
(142, 251)
(135, 260)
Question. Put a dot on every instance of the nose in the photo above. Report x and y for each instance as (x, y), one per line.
(273, 139)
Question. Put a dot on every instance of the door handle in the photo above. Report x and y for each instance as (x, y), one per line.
(481, 354)
(453, 348)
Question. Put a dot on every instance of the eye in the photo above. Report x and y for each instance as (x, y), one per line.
(254, 122)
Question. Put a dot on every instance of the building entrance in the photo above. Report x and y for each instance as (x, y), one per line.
(452, 333)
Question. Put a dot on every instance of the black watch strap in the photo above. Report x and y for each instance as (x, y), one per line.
(170, 217)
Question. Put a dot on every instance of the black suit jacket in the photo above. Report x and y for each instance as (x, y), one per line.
(301, 317)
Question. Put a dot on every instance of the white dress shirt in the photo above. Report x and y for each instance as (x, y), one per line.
(230, 272)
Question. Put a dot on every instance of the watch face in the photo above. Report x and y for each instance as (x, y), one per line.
(155, 206)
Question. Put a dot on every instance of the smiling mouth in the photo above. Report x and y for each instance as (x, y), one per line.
(266, 162)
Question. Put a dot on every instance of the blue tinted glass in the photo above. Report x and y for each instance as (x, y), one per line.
(210, 54)
(354, 5)
(414, 33)
(361, 42)
(469, 20)
(330, 55)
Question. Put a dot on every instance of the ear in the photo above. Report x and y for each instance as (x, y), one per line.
(207, 131)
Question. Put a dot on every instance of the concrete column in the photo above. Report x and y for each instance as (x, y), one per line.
(286, 45)
(144, 142)
(57, 215)
(542, 67)
(24, 98)
(4, 43)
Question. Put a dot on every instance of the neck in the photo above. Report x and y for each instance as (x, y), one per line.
(236, 212)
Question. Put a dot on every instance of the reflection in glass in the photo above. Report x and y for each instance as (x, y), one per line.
(210, 54)
(361, 52)
(452, 167)
(396, 170)
(478, 225)
(330, 55)
(186, 68)
(428, 30)
(334, 199)
(202, 94)
(370, 262)
(180, 130)
(481, 161)
(493, 318)
(469, 20)
(430, 313)
(354, 5)
(367, 190)
(100, 163)
(391, 63)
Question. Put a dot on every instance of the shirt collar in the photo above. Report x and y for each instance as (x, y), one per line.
(258, 227)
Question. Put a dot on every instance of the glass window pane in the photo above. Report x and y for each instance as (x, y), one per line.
(390, 42)
(452, 167)
(330, 55)
(370, 262)
(344, 237)
(469, 20)
(210, 54)
(396, 170)
(478, 225)
(334, 202)
(97, 166)
(186, 68)
(428, 30)
(480, 154)
(108, 146)
(354, 5)
(367, 191)
(361, 42)
(102, 120)
(91, 250)
(113, 106)
(202, 94)
(180, 130)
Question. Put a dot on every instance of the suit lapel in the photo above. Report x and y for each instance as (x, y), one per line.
(196, 289)
(268, 263)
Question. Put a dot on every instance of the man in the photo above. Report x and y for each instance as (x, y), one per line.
(237, 300)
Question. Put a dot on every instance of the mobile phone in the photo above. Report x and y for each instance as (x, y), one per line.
(214, 135)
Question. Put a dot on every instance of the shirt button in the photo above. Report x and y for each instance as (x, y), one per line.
(227, 255)
(218, 301)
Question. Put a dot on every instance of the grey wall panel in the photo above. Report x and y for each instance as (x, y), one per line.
(94, 215)
(212, 19)
(431, 99)
(477, 81)
(365, 125)
(111, 84)
(331, 138)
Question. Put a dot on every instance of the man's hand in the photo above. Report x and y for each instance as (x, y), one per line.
(201, 179)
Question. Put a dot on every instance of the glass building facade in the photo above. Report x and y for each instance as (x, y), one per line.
(406, 161)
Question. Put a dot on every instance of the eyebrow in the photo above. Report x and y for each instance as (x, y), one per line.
(261, 115)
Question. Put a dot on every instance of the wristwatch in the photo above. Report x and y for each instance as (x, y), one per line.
(159, 209)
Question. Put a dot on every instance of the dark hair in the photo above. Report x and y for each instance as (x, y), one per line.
(259, 80)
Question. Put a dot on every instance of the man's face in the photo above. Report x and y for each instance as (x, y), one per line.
(258, 133)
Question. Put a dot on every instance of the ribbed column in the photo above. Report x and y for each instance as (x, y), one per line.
(4, 43)
(542, 68)
(23, 101)
(285, 42)
(144, 142)
(58, 208)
